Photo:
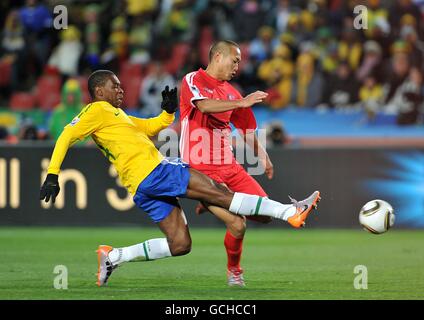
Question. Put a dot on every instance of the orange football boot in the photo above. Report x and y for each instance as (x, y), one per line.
(303, 208)
(105, 266)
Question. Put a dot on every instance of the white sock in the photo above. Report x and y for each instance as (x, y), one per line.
(250, 205)
(148, 250)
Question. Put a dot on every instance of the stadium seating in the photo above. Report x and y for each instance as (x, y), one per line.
(206, 41)
(21, 101)
(47, 91)
(178, 57)
(131, 86)
(5, 73)
(83, 81)
(244, 49)
(128, 69)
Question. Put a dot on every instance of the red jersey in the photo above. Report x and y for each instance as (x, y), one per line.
(205, 141)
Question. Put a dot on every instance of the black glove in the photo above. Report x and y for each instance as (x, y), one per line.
(169, 100)
(50, 188)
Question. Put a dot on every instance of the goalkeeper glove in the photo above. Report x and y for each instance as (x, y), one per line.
(50, 188)
(169, 100)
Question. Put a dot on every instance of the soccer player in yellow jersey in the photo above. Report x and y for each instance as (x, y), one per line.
(154, 181)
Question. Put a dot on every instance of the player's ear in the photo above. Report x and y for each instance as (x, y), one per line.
(98, 92)
(218, 56)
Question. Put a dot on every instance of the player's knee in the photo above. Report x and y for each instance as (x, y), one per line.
(180, 247)
(237, 226)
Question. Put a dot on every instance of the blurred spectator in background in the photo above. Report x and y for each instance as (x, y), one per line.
(277, 73)
(288, 40)
(37, 21)
(326, 50)
(192, 63)
(380, 31)
(413, 105)
(248, 17)
(397, 74)
(280, 16)
(179, 26)
(276, 134)
(341, 89)
(117, 47)
(66, 56)
(222, 18)
(118, 39)
(414, 44)
(405, 11)
(407, 98)
(3, 133)
(307, 24)
(92, 38)
(371, 96)
(260, 48)
(71, 104)
(152, 85)
(308, 83)
(29, 131)
(12, 56)
(376, 16)
(350, 48)
(140, 40)
(140, 8)
(372, 62)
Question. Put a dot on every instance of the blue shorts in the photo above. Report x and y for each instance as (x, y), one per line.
(157, 193)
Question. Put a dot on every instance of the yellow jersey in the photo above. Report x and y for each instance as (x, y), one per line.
(123, 139)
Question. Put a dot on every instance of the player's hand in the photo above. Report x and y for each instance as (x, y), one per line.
(50, 188)
(169, 100)
(253, 98)
(269, 168)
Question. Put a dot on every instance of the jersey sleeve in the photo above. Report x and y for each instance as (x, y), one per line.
(152, 126)
(244, 119)
(85, 123)
(192, 90)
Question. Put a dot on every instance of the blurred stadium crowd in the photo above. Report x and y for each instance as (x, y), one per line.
(304, 53)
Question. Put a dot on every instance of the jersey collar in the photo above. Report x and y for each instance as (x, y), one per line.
(211, 80)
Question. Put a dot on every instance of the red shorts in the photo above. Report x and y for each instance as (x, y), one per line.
(236, 179)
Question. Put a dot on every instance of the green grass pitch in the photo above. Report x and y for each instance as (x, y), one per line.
(280, 264)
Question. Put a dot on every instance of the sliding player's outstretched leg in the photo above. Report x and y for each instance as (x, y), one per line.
(201, 187)
(176, 243)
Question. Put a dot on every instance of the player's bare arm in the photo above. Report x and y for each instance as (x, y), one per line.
(215, 106)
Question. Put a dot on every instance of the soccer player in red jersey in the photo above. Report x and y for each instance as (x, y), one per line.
(208, 104)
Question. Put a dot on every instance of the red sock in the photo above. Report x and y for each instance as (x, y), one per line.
(234, 248)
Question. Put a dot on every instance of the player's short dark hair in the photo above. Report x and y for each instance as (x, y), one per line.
(223, 46)
(98, 79)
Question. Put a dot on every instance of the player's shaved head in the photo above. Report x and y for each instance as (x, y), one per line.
(222, 46)
(98, 79)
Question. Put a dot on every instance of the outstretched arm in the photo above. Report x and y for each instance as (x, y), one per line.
(215, 106)
(50, 187)
(152, 126)
(169, 105)
(88, 121)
